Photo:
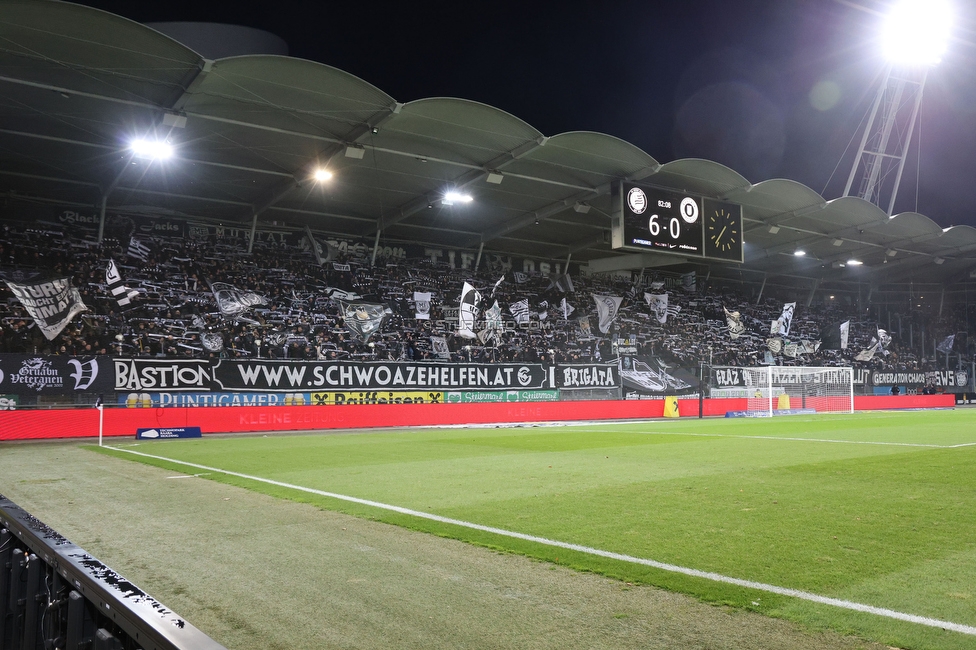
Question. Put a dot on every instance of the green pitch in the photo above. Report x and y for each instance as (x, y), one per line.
(873, 509)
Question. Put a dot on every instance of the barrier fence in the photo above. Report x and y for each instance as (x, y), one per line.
(55, 595)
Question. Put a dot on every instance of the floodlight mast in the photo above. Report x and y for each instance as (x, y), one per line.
(914, 40)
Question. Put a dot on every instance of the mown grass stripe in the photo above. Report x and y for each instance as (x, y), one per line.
(707, 575)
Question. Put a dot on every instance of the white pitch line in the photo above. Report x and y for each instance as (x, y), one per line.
(844, 442)
(673, 568)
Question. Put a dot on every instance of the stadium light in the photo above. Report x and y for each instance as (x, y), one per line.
(916, 32)
(854, 262)
(154, 149)
(322, 175)
(799, 252)
(452, 197)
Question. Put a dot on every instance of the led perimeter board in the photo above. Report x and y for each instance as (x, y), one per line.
(664, 221)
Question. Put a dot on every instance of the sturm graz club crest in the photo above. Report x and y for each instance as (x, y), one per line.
(637, 200)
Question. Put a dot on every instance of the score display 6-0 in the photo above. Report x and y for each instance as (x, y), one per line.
(662, 220)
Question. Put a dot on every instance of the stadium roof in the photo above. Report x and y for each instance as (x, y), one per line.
(77, 83)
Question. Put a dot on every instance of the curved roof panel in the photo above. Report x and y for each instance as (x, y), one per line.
(286, 93)
(700, 176)
(91, 51)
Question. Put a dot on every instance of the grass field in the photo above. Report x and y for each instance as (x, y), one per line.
(870, 509)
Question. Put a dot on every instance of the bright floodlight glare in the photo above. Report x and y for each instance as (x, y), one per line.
(156, 149)
(916, 32)
(854, 262)
(322, 175)
(451, 198)
(799, 252)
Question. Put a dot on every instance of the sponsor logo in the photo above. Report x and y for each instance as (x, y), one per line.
(500, 396)
(8, 402)
(175, 432)
(377, 397)
(154, 400)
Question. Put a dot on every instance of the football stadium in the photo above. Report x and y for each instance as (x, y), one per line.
(286, 362)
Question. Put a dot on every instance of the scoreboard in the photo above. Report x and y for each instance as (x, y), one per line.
(650, 219)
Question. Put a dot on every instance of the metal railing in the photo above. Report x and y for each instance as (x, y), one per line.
(53, 594)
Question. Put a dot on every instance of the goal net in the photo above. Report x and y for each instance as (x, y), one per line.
(788, 389)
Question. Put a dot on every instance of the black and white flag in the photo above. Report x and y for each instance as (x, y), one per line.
(835, 336)
(320, 256)
(782, 324)
(660, 307)
(363, 319)
(138, 250)
(497, 284)
(520, 278)
(584, 327)
(734, 321)
(212, 342)
(567, 309)
(563, 283)
(607, 308)
(233, 302)
(775, 345)
(946, 346)
(49, 299)
(421, 301)
(113, 279)
(439, 346)
(493, 324)
(520, 311)
(468, 312)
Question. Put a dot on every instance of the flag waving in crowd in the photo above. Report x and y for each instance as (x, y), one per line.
(50, 300)
(607, 308)
(468, 312)
(113, 279)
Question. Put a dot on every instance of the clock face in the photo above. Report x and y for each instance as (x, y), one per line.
(723, 231)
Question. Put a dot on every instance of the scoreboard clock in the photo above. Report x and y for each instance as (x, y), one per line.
(723, 230)
(650, 219)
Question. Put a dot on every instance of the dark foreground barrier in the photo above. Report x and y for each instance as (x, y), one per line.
(55, 595)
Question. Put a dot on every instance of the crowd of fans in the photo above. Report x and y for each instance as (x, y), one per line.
(175, 313)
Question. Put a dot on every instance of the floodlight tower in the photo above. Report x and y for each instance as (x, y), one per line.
(914, 39)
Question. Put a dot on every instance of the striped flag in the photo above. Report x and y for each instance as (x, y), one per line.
(138, 250)
(122, 294)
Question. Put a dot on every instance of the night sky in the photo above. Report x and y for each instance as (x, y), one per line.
(771, 88)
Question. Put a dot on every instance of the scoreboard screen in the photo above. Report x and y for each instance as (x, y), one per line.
(665, 221)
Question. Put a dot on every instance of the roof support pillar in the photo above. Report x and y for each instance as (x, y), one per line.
(376, 246)
(477, 260)
(106, 192)
(813, 290)
(254, 232)
(761, 289)
(942, 301)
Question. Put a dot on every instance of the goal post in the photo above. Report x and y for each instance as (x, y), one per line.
(772, 390)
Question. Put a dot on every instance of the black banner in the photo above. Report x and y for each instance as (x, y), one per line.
(52, 375)
(587, 376)
(728, 377)
(169, 375)
(272, 375)
(938, 378)
(652, 379)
